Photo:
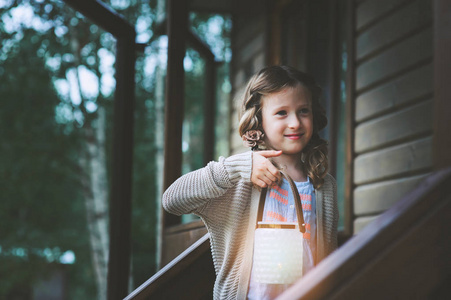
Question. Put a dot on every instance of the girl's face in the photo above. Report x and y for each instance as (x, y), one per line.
(288, 120)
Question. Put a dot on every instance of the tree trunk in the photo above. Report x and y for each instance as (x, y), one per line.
(93, 162)
(159, 141)
(159, 155)
(94, 178)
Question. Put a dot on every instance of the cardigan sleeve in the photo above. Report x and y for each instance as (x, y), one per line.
(332, 215)
(192, 191)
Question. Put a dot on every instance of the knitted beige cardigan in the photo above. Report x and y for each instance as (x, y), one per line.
(224, 197)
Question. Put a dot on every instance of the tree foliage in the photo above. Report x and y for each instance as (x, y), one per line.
(48, 117)
(41, 211)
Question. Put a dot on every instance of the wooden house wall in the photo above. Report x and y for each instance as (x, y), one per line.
(248, 48)
(393, 94)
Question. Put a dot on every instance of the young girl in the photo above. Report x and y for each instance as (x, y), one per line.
(281, 118)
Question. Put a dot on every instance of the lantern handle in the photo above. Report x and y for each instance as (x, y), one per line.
(297, 202)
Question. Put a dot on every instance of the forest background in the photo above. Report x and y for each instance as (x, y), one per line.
(56, 89)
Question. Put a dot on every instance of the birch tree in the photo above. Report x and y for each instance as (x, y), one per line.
(92, 159)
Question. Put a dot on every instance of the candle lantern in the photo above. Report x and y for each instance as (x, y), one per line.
(278, 247)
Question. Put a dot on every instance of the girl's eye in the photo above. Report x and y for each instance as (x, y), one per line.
(281, 113)
(304, 111)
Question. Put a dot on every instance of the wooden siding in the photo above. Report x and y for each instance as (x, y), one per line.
(407, 20)
(370, 11)
(394, 127)
(377, 197)
(395, 60)
(393, 103)
(442, 78)
(403, 91)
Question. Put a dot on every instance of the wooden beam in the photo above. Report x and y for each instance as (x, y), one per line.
(334, 83)
(442, 87)
(199, 45)
(177, 28)
(350, 117)
(209, 110)
(273, 30)
(121, 184)
(104, 16)
(191, 38)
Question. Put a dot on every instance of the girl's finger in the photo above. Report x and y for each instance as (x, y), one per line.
(270, 153)
(271, 177)
(266, 180)
(260, 183)
(273, 171)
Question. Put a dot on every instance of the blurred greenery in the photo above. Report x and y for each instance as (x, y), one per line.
(43, 134)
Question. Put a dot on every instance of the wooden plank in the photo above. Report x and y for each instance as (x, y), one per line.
(185, 227)
(414, 85)
(236, 143)
(393, 162)
(409, 18)
(273, 31)
(370, 11)
(362, 222)
(209, 110)
(395, 60)
(442, 87)
(250, 27)
(395, 127)
(211, 7)
(176, 243)
(122, 162)
(377, 197)
(350, 116)
(177, 26)
(104, 16)
(258, 62)
(190, 275)
(416, 266)
(336, 105)
(254, 46)
(239, 80)
(419, 221)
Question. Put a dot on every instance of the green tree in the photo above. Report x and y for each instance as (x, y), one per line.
(55, 143)
(39, 188)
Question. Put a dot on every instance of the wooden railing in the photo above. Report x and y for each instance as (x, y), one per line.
(190, 275)
(404, 254)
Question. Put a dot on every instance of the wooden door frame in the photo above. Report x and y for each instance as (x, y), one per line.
(442, 88)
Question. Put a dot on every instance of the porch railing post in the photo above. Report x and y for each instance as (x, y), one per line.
(177, 28)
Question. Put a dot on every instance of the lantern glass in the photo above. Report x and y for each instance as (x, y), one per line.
(278, 253)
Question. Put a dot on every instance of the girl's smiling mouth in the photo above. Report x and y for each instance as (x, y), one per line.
(294, 136)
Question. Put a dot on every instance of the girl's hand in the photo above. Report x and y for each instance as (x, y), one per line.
(264, 173)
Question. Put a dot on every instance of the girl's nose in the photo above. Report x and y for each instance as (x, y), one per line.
(294, 122)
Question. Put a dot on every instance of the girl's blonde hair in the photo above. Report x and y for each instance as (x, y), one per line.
(274, 79)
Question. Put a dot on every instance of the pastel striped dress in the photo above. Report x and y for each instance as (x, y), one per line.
(280, 207)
